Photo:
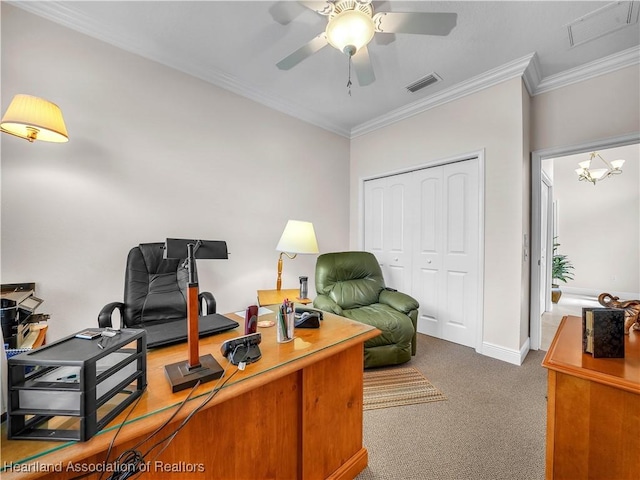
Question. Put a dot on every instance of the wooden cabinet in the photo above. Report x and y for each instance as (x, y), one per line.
(593, 411)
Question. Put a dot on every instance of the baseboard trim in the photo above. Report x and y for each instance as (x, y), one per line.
(595, 293)
(515, 357)
(352, 467)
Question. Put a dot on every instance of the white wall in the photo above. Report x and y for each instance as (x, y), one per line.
(153, 153)
(492, 120)
(599, 225)
(602, 107)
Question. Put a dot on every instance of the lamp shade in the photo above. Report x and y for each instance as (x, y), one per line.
(617, 164)
(351, 28)
(298, 237)
(34, 118)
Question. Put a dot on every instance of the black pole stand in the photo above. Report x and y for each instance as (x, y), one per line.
(186, 374)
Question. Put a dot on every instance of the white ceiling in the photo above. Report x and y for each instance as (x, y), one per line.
(236, 45)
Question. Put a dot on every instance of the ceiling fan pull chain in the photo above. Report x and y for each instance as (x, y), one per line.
(349, 82)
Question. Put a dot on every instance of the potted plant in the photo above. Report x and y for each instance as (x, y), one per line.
(561, 271)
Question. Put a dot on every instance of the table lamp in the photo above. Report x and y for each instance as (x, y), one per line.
(185, 374)
(297, 237)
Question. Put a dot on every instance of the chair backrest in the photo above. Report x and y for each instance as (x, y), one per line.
(155, 288)
(351, 279)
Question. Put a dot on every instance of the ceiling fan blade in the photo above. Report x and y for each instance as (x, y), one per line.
(303, 52)
(422, 23)
(323, 8)
(384, 38)
(285, 12)
(363, 67)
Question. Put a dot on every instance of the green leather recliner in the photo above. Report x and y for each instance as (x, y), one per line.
(351, 284)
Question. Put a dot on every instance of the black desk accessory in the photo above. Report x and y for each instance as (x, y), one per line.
(186, 374)
(301, 310)
(242, 349)
(307, 320)
(80, 384)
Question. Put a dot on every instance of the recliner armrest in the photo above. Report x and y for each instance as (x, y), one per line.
(326, 303)
(209, 301)
(104, 317)
(399, 301)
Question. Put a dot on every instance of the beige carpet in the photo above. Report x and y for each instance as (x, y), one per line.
(394, 387)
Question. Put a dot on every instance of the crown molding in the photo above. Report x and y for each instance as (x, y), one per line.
(532, 75)
(527, 67)
(623, 59)
(67, 16)
(488, 79)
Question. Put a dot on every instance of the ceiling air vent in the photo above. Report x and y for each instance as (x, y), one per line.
(424, 82)
(602, 21)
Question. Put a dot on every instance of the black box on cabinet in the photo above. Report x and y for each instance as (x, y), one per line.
(72, 388)
(603, 332)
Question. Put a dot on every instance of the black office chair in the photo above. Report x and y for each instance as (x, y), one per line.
(155, 292)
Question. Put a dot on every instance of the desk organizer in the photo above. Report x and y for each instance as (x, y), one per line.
(72, 388)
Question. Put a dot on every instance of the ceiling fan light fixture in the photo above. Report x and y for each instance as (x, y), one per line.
(349, 31)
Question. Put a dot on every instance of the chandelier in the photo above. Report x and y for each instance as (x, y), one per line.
(586, 173)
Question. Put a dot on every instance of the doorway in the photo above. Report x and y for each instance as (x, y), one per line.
(540, 257)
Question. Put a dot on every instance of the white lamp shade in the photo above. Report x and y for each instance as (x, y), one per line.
(34, 118)
(350, 28)
(584, 165)
(598, 173)
(617, 164)
(298, 237)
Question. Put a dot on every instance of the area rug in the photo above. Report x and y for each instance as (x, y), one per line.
(393, 387)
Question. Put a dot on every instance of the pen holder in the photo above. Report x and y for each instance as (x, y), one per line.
(284, 327)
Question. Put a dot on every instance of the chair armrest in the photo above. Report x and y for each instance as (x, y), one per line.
(104, 317)
(399, 301)
(209, 303)
(323, 302)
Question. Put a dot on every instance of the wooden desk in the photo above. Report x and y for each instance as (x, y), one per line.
(296, 413)
(276, 297)
(593, 410)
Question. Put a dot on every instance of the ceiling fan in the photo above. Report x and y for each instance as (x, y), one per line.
(351, 24)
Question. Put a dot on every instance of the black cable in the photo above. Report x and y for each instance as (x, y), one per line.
(166, 422)
(131, 456)
(128, 462)
(133, 407)
(212, 394)
(196, 410)
(144, 389)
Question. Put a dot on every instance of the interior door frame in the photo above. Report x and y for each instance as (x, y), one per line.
(480, 155)
(550, 217)
(535, 315)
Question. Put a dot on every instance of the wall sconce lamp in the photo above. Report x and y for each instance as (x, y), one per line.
(297, 237)
(585, 173)
(34, 118)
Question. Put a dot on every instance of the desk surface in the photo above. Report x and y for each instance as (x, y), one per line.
(565, 355)
(158, 402)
